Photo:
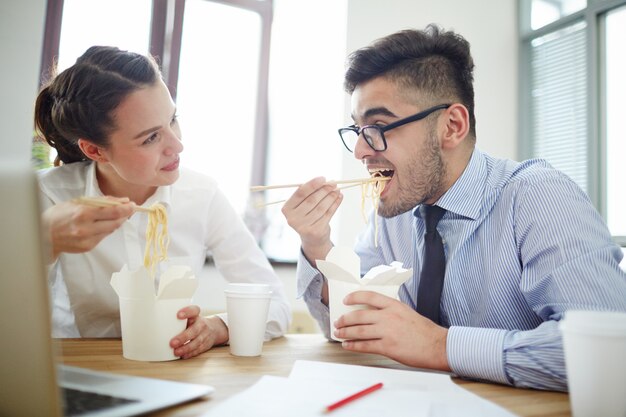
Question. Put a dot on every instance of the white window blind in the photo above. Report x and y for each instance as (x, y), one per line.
(615, 68)
(559, 101)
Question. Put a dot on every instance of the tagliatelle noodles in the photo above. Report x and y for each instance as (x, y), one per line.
(157, 238)
(372, 190)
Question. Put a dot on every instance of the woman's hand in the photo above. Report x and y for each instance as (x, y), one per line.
(77, 228)
(201, 334)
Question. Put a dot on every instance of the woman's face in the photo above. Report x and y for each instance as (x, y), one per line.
(143, 151)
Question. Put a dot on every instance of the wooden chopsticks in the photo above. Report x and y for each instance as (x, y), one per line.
(356, 182)
(103, 202)
(352, 183)
(261, 205)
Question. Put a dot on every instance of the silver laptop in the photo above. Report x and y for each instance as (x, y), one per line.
(30, 382)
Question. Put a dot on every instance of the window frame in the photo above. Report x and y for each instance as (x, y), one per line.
(165, 44)
(593, 15)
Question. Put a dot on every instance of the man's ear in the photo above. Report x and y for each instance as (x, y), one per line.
(91, 150)
(456, 126)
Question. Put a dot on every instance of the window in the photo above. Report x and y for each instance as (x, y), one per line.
(88, 23)
(245, 121)
(544, 12)
(571, 66)
(559, 100)
(306, 103)
(217, 92)
(615, 68)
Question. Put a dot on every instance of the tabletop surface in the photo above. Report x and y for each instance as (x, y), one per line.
(231, 375)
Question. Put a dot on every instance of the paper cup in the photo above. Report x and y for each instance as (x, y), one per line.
(338, 290)
(247, 306)
(148, 326)
(594, 344)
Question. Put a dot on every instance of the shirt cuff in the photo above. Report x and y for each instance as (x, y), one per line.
(306, 274)
(310, 282)
(477, 353)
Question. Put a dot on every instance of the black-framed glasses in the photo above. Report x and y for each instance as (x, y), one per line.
(374, 135)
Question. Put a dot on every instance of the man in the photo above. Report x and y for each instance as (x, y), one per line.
(520, 243)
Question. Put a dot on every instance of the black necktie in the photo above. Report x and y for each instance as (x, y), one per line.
(434, 267)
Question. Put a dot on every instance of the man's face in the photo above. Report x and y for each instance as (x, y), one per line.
(413, 157)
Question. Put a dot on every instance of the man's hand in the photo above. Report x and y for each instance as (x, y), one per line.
(394, 330)
(309, 211)
(201, 334)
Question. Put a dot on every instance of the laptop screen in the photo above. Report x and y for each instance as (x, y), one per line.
(28, 375)
(26, 364)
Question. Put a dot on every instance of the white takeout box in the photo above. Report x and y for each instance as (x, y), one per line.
(148, 316)
(342, 269)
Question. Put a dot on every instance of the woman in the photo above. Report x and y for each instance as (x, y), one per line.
(113, 123)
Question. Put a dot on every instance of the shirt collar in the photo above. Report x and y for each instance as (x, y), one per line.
(162, 195)
(465, 197)
(92, 189)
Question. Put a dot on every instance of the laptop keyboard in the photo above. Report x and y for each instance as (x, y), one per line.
(77, 402)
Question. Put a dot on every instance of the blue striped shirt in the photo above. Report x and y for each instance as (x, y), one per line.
(523, 245)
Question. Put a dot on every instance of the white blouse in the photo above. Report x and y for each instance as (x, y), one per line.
(201, 222)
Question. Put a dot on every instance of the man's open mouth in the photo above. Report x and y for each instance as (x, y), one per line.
(381, 172)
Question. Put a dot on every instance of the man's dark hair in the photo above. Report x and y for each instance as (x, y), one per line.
(434, 62)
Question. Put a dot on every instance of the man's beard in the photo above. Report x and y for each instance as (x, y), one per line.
(422, 179)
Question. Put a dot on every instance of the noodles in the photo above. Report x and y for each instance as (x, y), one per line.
(157, 238)
(372, 190)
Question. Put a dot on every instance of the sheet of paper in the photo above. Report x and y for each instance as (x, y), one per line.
(445, 397)
(313, 385)
(392, 378)
(275, 396)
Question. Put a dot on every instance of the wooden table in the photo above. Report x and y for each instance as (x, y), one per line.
(231, 375)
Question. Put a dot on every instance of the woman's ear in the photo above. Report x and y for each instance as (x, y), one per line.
(91, 150)
(456, 126)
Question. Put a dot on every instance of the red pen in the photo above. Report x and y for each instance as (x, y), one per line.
(353, 397)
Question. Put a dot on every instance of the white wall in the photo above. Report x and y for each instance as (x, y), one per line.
(491, 28)
(21, 35)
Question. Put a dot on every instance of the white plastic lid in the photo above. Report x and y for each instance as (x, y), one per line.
(248, 289)
(601, 323)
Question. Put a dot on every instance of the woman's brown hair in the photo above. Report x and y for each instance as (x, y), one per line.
(79, 102)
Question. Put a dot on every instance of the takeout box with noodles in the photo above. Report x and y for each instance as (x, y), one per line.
(148, 316)
(342, 270)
